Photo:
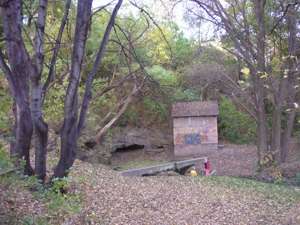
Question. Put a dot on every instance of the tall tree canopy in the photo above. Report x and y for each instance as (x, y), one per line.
(264, 36)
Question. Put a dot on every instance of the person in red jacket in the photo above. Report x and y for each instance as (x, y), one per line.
(207, 167)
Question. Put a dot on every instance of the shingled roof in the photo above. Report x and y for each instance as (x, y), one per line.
(195, 108)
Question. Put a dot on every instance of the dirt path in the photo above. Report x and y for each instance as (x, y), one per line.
(235, 160)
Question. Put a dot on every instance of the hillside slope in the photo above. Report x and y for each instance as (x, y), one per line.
(108, 198)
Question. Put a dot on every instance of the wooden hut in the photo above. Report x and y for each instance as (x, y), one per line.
(195, 129)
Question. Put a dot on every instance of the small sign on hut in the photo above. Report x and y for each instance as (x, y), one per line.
(195, 129)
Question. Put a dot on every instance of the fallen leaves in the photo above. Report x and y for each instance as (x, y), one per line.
(109, 198)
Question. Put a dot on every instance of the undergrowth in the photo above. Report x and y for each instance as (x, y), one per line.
(59, 199)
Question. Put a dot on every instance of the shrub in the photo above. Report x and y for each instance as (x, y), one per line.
(185, 95)
(234, 125)
(163, 76)
(155, 107)
(5, 107)
(60, 185)
(5, 162)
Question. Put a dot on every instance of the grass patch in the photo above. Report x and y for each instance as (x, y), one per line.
(29, 220)
(278, 192)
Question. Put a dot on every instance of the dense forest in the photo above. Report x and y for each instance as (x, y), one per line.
(75, 74)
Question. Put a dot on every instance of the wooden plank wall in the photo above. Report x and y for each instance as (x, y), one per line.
(193, 135)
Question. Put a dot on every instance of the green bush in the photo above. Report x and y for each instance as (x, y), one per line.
(5, 162)
(60, 185)
(5, 108)
(129, 117)
(185, 95)
(163, 76)
(234, 125)
(155, 107)
(54, 103)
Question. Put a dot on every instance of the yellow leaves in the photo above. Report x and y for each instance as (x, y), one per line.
(193, 173)
(276, 63)
(263, 75)
(159, 49)
(276, 174)
(245, 71)
(267, 160)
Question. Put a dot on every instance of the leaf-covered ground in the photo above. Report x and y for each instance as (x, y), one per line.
(108, 198)
(113, 199)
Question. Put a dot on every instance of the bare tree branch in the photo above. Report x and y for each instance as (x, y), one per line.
(155, 23)
(277, 23)
(51, 74)
(98, 60)
(100, 8)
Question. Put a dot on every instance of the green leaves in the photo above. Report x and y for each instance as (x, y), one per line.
(5, 162)
(235, 126)
(163, 76)
(5, 107)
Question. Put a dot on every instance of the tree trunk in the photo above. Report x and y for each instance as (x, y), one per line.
(40, 127)
(40, 132)
(276, 137)
(13, 150)
(69, 133)
(291, 80)
(262, 135)
(24, 134)
(262, 130)
(17, 74)
(287, 136)
(276, 131)
(68, 150)
(24, 127)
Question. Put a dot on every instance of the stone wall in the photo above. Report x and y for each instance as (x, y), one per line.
(195, 135)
